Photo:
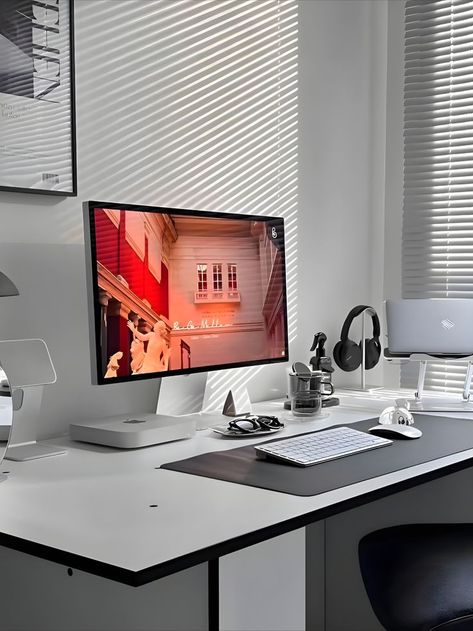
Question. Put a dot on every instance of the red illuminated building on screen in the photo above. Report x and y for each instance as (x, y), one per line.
(179, 291)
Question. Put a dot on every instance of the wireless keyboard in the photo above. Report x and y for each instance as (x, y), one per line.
(316, 447)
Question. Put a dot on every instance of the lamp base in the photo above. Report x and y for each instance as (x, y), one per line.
(31, 451)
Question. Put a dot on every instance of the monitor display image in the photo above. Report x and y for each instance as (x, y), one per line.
(178, 291)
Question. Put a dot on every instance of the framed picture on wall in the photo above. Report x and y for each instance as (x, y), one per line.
(37, 114)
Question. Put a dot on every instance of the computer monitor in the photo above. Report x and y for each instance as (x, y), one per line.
(179, 291)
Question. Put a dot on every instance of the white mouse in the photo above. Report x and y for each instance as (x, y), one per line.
(395, 430)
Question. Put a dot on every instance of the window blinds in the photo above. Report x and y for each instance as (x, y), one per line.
(437, 238)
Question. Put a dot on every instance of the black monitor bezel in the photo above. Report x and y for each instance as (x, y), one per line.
(93, 289)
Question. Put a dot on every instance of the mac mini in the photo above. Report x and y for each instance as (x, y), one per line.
(132, 432)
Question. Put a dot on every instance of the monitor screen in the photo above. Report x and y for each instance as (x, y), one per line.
(178, 291)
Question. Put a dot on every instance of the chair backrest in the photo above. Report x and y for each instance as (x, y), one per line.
(420, 577)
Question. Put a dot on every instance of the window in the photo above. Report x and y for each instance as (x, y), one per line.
(232, 277)
(437, 256)
(202, 277)
(217, 277)
(135, 233)
(154, 238)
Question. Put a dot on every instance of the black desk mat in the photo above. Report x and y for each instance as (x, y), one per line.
(441, 437)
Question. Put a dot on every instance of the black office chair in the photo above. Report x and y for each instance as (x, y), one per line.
(420, 577)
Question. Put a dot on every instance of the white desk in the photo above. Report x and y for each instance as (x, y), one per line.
(91, 509)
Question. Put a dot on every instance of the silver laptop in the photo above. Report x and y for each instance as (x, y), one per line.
(438, 326)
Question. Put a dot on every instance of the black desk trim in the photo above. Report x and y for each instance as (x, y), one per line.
(213, 595)
(211, 553)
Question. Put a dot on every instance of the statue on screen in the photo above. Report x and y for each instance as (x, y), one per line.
(156, 358)
(113, 364)
(137, 352)
(137, 347)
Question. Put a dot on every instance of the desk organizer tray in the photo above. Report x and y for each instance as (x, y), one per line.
(441, 437)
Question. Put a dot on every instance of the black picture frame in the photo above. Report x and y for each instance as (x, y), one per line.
(37, 97)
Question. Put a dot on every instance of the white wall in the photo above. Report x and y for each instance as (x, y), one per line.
(342, 84)
(120, 156)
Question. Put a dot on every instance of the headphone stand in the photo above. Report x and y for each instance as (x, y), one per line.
(369, 311)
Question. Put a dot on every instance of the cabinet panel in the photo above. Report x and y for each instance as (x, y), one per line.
(38, 595)
(262, 588)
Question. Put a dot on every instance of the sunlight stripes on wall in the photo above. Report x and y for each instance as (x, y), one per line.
(204, 94)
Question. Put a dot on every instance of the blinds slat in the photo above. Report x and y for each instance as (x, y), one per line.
(437, 235)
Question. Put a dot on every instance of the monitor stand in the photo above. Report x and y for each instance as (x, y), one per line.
(208, 398)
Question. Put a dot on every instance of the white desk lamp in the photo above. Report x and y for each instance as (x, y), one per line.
(28, 366)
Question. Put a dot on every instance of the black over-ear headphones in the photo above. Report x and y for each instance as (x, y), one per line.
(347, 353)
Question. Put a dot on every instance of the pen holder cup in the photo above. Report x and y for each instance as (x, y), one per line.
(318, 381)
(306, 403)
